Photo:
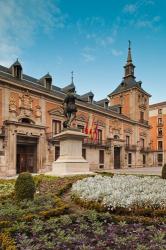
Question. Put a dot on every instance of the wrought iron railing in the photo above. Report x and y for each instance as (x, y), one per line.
(144, 122)
(130, 147)
(145, 149)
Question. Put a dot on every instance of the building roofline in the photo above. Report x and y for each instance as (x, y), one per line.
(55, 95)
(157, 104)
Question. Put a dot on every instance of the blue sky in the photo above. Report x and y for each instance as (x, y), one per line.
(89, 37)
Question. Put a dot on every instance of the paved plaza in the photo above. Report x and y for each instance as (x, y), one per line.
(145, 170)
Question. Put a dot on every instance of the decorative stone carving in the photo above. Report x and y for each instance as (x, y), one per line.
(128, 130)
(12, 109)
(81, 118)
(100, 123)
(25, 104)
(57, 111)
(143, 133)
(116, 124)
(38, 112)
(12, 104)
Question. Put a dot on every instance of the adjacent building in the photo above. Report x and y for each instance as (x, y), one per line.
(31, 113)
(157, 120)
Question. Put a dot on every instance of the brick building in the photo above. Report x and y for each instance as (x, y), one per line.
(31, 112)
(157, 120)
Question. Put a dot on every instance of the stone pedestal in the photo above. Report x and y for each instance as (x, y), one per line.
(70, 160)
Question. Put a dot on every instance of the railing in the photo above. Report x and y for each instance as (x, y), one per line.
(143, 121)
(160, 135)
(130, 147)
(145, 149)
(92, 142)
(160, 124)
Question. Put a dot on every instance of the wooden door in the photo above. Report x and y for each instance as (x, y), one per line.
(117, 157)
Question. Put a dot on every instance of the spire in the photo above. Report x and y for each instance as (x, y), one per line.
(129, 59)
(129, 67)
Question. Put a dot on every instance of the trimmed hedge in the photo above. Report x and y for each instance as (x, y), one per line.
(163, 174)
(25, 187)
(149, 212)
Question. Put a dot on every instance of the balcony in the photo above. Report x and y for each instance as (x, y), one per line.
(160, 124)
(145, 149)
(96, 143)
(144, 122)
(160, 149)
(130, 147)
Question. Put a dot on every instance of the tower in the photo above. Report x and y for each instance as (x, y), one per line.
(129, 96)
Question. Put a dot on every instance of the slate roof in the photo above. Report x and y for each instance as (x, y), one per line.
(27, 80)
(68, 87)
(128, 84)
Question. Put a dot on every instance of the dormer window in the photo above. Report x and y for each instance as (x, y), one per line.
(17, 70)
(47, 81)
(106, 105)
(90, 99)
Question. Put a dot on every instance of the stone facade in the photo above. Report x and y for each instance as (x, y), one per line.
(157, 119)
(31, 113)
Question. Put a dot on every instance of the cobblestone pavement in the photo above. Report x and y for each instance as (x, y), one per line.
(144, 170)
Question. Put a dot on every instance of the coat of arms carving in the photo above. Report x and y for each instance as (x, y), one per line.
(25, 103)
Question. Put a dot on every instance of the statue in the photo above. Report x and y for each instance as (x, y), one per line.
(69, 107)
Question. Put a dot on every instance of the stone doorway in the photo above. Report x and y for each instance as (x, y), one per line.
(26, 154)
(117, 157)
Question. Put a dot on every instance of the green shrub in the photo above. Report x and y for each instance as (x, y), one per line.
(163, 174)
(25, 187)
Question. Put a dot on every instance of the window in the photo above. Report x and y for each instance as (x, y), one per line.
(100, 136)
(142, 143)
(101, 158)
(81, 128)
(160, 159)
(141, 115)
(160, 121)
(159, 111)
(84, 153)
(160, 145)
(116, 137)
(160, 132)
(18, 72)
(144, 159)
(57, 152)
(120, 110)
(127, 140)
(56, 127)
(129, 159)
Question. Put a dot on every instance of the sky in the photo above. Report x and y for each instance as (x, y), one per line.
(89, 37)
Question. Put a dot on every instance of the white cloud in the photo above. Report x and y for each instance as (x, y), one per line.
(116, 52)
(20, 21)
(130, 8)
(88, 54)
(148, 23)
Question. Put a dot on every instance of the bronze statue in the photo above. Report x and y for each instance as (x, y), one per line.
(69, 107)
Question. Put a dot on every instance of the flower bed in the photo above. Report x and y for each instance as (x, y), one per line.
(6, 187)
(90, 230)
(128, 192)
